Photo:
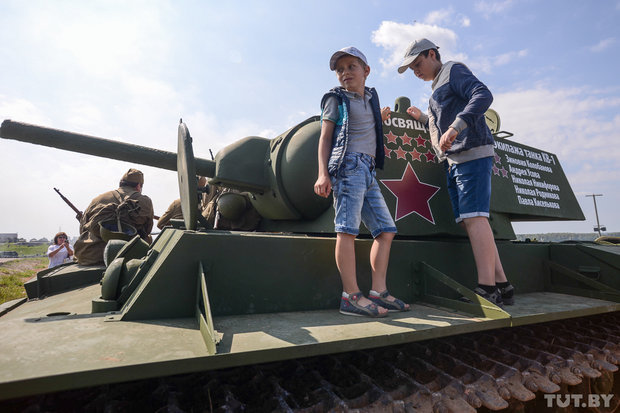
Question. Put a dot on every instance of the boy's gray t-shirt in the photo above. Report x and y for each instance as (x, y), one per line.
(362, 135)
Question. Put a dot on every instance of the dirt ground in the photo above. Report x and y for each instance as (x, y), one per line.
(21, 264)
(14, 272)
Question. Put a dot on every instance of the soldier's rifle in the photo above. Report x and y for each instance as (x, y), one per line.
(78, 213)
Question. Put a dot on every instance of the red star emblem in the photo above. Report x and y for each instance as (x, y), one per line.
(430, 156)
(495, 170)
(388, 152)
(391, 137)
(415, 155)
(411, 195)
(406, 139)
(504, 172)
(497, 158)
(420, 140)
(400, 153)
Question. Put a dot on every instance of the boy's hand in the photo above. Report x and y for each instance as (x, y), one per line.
(385, 113)
(414, 112)
(447, 138)
(323, 186)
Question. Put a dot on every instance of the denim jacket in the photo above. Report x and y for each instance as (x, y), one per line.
(341, 129)
(459, 100)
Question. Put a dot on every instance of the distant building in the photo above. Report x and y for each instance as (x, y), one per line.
(8, 237)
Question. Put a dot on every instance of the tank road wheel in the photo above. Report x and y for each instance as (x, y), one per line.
(186, 171)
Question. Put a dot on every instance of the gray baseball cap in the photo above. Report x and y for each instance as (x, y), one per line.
(414, 50)
(351, 51)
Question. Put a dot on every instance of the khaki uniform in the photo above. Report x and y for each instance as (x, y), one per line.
(173, 212)
(136, 210)
(247, 220)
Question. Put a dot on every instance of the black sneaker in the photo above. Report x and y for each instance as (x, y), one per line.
(495, 297)
(508, 294)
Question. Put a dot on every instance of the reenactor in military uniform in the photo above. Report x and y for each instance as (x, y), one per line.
(230, 209)
(174, 210)
(121, 213)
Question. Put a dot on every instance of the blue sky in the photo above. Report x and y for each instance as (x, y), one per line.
(128, 70)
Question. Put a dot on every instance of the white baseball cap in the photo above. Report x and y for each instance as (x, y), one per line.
(351, 51)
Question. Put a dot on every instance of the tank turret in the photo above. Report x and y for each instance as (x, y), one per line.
(279, 172)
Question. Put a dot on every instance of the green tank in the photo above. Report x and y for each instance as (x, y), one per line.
(214, 306)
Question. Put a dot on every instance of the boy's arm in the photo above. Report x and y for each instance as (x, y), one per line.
(479, 97)
(417, 114)
(385, 113)
(323, 185)
(445, 142)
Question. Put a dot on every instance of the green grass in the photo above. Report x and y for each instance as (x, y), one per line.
(14, 273)
(24, 249)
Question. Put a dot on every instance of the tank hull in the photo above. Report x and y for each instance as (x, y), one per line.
(210, 314)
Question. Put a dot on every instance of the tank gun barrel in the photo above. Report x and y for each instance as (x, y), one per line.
(92, 145)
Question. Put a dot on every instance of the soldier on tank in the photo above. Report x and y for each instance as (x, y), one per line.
(120, 213)
(229, 209)
(174, 211)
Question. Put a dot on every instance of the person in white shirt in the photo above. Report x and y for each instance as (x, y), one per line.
(61, 251)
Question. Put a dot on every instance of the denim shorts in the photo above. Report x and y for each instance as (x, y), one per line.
(357, 197)
(469, 186)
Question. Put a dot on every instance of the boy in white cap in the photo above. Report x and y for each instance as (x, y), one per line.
(462, 139)
(350, 147)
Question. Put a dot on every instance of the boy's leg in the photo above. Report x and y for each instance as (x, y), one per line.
(484, 248)
(345, 261)
(377, 218)
(500, 276)
(379, 259)
(348, 198)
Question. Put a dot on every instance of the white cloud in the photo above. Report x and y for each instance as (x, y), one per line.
(84, 115)
(446, 17)
(488, 8)
(98, 40)
(21, 110)
(439, 16)
(580, 126)
(506, 58)
(395, 37)
(603, 45)
(568, 122)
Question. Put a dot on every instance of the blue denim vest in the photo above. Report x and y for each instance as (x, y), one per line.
(341, 129)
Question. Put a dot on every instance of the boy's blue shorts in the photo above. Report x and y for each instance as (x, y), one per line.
(357, 197)
(469, 186)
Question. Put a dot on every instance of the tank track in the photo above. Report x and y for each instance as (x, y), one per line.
(509, 370)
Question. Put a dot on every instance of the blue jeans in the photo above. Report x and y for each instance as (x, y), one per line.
(357, 197)
(469, 186)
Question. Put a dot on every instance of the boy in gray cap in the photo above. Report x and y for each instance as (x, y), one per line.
(350, 146)
(462, 139)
